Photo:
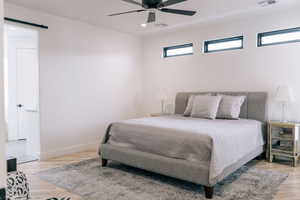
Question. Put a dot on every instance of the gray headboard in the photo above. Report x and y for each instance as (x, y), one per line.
(254, 107)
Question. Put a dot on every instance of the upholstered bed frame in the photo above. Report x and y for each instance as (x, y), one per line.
(255, 107)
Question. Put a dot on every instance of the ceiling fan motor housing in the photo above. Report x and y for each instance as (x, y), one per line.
(151, 3)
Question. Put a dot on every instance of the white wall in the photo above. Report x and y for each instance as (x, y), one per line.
(2, 135)
(250, 69)
(89, 77)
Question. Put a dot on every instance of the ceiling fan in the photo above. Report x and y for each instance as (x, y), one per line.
(153, 5)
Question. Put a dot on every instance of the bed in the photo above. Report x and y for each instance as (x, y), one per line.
(197, 150)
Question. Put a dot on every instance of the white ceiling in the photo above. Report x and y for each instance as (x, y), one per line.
(95, 11)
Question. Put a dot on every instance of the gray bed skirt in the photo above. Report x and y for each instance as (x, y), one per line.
(181, 169)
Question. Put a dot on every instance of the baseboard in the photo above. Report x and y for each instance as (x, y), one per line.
(2, 194)
(68, 150)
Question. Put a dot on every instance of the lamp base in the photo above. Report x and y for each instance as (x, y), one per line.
(283, 112)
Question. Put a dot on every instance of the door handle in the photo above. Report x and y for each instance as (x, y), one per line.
(19, 105)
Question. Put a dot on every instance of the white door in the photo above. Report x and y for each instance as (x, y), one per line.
(22, 89)
(27, 93)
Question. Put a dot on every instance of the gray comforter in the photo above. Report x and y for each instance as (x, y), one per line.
(215, 143)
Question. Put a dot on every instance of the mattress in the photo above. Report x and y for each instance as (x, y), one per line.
(215, 144)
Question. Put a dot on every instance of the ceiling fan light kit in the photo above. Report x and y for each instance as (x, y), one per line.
(156, 5)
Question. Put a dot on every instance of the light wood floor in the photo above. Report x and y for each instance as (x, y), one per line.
(41, 190)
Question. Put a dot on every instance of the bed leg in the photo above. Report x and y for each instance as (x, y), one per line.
(104, 162)
(261, 156)
(209, 192)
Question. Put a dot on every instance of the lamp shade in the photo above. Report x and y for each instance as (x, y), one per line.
(284, 94)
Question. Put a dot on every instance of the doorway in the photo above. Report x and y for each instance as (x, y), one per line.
(21, 76)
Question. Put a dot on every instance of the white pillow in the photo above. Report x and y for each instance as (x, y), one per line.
(230, 106)
(206, 106)
(189, 107)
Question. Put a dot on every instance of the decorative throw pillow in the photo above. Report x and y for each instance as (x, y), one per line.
(17, 186)
(206, 106)
(189, 107)
(230, 107)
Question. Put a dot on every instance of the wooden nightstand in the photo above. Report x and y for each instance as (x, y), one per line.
(283, 140)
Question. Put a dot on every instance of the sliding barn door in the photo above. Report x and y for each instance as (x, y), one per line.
(27, 93)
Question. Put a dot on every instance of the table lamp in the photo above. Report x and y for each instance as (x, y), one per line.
(284, 95)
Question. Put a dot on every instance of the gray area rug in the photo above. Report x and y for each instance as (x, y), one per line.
(120, 182)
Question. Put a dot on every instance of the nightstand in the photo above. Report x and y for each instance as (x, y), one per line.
(283, 140)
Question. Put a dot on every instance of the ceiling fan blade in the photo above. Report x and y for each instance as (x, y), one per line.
(133, 11)
(179, 12)
(133, 2)
(151, 17)
(170, 2)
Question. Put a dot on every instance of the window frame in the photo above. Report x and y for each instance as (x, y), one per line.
(208, 42)
(278, 32)
(165, 50)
